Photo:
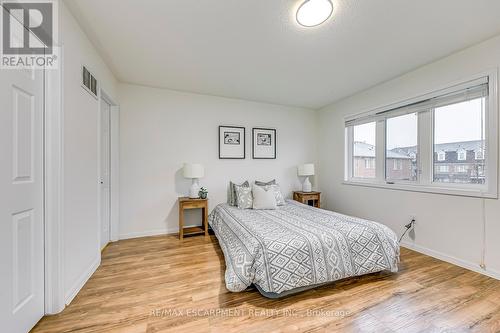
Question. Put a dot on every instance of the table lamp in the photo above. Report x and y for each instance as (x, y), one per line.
(306, 170)
(193, 171)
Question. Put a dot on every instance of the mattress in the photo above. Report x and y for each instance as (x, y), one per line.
(296, 247)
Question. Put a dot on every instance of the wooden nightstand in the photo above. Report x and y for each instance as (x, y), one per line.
(187, 203)
(308, 198)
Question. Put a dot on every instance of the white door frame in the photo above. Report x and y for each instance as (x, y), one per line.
(104, 172)
(54, 189)
(114, 165)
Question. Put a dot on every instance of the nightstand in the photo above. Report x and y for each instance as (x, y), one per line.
(308, 198)
(188, 203)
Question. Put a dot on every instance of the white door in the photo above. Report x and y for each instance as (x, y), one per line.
(21, 199)
(105, 172)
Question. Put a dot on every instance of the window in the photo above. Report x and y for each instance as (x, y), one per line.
(439, 142)
(370, 163)
(363, 157)
(443, 168)
(480, 170)
(479, 154)
(461, 155)
(457, 128)
(401, 142)
(397, 164)
(441, 156)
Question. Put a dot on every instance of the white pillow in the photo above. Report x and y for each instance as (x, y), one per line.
(263, 198)
(280, 199)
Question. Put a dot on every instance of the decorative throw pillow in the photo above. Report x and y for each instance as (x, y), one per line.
(259, 183)
(232, 199)
(263, 198)
(244, 197)
(280, 199)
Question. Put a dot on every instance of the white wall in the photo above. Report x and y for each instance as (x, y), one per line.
(161, 129)
(81, 253)
(449, 227)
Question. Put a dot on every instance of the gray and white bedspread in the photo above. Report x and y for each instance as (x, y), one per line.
(297, 246)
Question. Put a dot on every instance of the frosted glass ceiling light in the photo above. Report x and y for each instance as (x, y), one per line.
(314, 12)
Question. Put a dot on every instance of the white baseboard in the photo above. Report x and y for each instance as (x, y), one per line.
(452, 260)
(154, 232)
(75, 289)
(146, 233)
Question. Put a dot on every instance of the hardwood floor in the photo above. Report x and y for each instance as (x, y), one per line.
(162, 284)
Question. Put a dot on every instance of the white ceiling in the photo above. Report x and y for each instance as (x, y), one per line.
(254, 50)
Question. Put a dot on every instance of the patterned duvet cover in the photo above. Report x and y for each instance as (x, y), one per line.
(297, 246)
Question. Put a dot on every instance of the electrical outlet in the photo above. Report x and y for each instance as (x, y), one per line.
(411, 222)
(409, 228)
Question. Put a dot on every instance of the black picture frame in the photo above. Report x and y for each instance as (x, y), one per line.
(273, 142)
(242, 141)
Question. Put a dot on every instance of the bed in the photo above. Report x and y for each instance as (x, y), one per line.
(297, 247)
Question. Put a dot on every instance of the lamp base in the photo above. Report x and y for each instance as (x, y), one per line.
(306, 185)
(194, 189)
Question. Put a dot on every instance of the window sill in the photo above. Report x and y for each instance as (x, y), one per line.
(474, 193)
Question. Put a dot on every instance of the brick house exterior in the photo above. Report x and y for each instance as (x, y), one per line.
(399, 166)
(457, 162)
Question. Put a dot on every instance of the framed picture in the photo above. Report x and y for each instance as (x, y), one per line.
(231, 142)
(263, 143)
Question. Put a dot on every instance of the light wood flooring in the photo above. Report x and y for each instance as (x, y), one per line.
(161, 284)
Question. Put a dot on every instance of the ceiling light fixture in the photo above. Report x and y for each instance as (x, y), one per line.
(314, 12)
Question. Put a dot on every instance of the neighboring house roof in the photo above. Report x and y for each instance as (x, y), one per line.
(447, 147)
(363, 149)
(455, 146)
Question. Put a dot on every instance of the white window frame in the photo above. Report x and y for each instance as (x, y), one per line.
(479, 154)
(443, 168)
(441, 156)
(397, 164)
(461, 153)
(425, 153)
(368, 164)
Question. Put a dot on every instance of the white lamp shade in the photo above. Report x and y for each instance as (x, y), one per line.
(193, 170)
(306, 169)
